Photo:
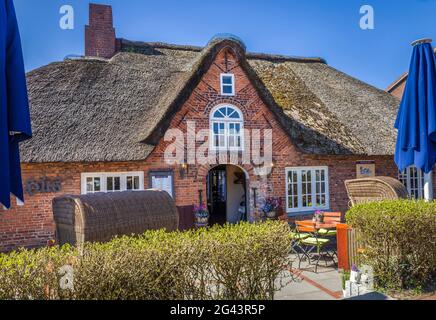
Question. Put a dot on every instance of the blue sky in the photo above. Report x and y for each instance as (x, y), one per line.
(325, 28)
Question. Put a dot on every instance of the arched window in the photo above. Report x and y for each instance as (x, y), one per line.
(227, 127)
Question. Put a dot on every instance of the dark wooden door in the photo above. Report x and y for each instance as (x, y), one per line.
(217, 195)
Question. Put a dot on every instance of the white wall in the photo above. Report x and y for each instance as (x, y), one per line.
(234, 194)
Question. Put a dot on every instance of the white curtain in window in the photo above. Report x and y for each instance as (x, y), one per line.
(164, 183)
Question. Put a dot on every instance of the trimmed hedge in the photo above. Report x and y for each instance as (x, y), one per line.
(399, 241)
(245, 261)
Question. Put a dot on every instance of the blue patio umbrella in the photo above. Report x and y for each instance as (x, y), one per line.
(416, 120)
(14, 108)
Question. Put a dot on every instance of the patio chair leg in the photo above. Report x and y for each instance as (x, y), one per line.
(332, 255)
(299, 259)
(317, 262)
(299, 255)
(318, 249)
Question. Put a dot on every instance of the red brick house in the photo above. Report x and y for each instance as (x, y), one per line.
(100, 124)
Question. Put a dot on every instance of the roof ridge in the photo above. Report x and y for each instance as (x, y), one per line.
(163, 45)
(278, 57)
(249, 55)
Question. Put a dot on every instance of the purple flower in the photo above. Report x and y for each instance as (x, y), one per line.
(354, 268)
(271, 204)
(318, 215)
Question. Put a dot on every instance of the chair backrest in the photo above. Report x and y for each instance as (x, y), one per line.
(333, 217)
(375, 189)
(305, 226)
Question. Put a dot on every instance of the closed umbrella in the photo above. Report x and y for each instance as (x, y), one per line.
(14, 108)
(416, 120)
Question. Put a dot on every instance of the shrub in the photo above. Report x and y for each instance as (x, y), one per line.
(399, 241)
(245, 261)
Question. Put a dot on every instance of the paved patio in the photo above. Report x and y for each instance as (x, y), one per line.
(324, 285)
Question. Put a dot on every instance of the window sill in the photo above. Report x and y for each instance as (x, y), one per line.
(305, 213)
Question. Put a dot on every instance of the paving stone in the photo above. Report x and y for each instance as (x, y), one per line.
(324, 285)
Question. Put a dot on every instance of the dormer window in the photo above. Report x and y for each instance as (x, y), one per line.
(227, 84)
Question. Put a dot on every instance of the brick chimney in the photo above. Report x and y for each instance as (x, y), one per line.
(100, 38)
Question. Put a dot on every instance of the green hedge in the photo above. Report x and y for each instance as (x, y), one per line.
(399, 241)
(245, 261)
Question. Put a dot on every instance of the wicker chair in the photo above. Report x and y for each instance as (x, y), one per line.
(102, 216)
(375, 189)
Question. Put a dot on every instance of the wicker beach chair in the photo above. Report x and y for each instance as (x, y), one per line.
(102, 216)
(375, 189)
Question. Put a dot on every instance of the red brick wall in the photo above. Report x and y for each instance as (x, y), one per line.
(32, 225)
(100, 34)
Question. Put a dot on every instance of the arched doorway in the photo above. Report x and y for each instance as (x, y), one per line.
(227, 197)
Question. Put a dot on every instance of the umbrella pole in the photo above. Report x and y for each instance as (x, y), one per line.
(428, 186)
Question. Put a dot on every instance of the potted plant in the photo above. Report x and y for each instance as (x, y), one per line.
(318, 217)
(355, 274)
(201, 216)
(270, 207)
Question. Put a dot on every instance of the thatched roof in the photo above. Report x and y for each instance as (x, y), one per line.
(90, 110)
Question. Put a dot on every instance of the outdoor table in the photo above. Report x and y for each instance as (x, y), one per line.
(319, 225)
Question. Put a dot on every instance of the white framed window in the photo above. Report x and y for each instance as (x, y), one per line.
(227, 84)
(227, 128)
(307, 189)
(162, 180)
(414, 180)
(134, 182)
(112, 182)
(92, 184)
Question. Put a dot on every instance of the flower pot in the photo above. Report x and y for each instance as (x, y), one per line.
(271, 215)
(201, 221)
